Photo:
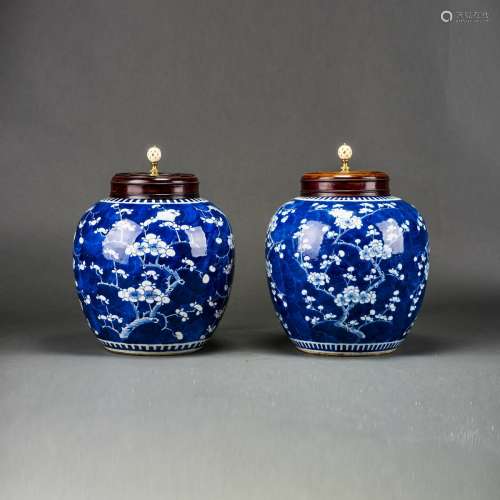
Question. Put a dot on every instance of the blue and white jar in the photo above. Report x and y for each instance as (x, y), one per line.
(153, 264)
(347, 263)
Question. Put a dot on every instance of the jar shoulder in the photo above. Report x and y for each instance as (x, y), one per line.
(357, 217)
(343, 200)
(109, 210)
(109, 219)
(328, 206)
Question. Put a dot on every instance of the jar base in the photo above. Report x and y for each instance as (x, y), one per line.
(153, 349)
(342, 349)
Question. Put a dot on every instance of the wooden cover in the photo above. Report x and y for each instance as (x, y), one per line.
(353, 183)
(144, 185)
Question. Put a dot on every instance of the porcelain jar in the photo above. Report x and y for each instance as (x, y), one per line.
(347, 263)
(153, 264)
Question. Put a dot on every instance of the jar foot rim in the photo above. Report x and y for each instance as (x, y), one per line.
(153, 349)
(345, 354)
(346, 349)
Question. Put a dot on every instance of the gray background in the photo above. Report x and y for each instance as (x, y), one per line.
(248, 95)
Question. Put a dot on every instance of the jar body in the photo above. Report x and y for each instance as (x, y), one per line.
(153, 276)
(347, 275)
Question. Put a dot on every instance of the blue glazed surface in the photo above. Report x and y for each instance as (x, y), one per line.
(347, 274)
(153, 275)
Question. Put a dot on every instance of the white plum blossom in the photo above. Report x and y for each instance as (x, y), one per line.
(148, 293)
(167, 215)
(98, 270)
(163, 298)
(182, 314)
(217, 221)
(376, 249)
(110, 317)
(198, 308)
(352, 295)
(269, 269)
(95, 221)
(134, 250)
(156, 246)
(367, 297)
(120, 272)
(281, 215)
(130, 294)
(420, 223)
(189, 263)
(145, 292)
(150, 244)
(366, 208)
(318, 279)
(102, 298)
(150, 273)
(345, 219)
(273, 224)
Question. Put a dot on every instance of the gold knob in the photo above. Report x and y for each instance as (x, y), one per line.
(154, 156)
(345, 154)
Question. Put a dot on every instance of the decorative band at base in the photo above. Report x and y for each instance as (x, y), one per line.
(342, 349)
(153, 349)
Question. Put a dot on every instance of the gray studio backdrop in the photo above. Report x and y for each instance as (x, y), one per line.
(247, 95)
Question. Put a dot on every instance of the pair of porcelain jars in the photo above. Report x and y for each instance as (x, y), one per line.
(347, 263)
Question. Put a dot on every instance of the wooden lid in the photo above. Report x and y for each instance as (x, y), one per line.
(345, 182)
(352, 183)
(154, 184)
(163, 185)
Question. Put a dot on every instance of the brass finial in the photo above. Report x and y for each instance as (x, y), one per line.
(154, 156)
(345, 154)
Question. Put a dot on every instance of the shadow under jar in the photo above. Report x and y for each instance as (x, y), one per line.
(347, 263)
(153, 264)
